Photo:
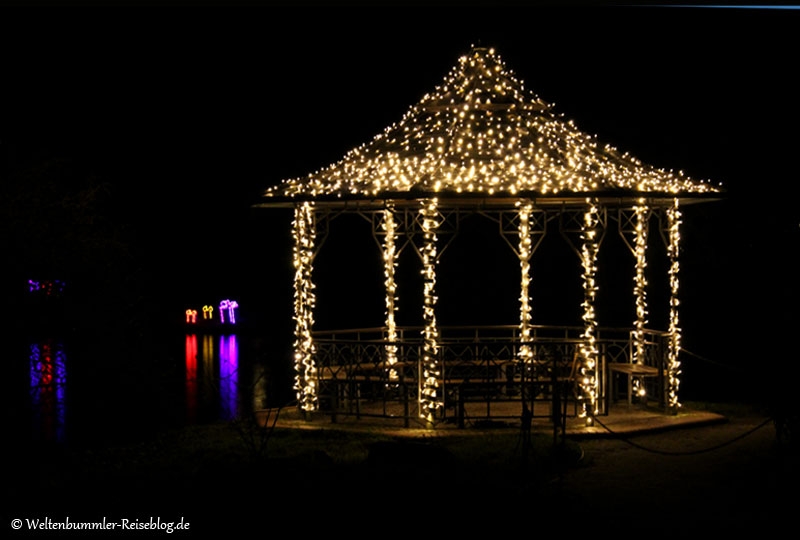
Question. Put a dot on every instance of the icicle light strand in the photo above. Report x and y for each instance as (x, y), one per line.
(588, 348)
(304, 299)
(674, 365)
(430, 396)
(641, 212)
(389, 266)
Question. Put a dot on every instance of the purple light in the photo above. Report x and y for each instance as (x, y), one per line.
(231, 314)
(48, 388)
(48, 287)
(222, 307)
(230, 306)
(229, 376)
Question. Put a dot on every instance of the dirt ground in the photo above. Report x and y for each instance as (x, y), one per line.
(745, 486)
(332, 482)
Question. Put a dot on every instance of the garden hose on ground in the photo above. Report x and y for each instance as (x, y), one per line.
(686, 453)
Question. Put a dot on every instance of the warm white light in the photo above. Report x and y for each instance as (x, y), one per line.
(524, 251)
(481, 130)
(430, 399)
(304, 299)
(673, 363)
(641, 212)
(389, 266)
(588, 347)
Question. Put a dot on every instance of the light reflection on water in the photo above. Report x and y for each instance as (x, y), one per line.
(229, 376)
(221, 380)
(48, 386)
(216, 387)
(191, 377)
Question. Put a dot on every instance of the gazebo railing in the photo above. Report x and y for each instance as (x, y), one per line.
(481, 374)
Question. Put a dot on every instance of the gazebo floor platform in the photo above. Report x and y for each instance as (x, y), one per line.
(622, 420)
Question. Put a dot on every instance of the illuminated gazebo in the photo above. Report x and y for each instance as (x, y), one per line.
(481, 143)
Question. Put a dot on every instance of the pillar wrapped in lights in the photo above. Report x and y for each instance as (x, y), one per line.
(524, 252)
(479, 140)
(588, 348)
(641, 212)
(674, 347)
(389, 264)
(430, 398)
(305, 368)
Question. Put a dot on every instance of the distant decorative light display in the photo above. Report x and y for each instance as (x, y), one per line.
(46, 287)
(191, 316)
(232, 305)
(228, 306)
(208, 313)
(304, 233)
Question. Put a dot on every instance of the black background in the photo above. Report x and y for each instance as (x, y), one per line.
(134, 142)
(180, 117)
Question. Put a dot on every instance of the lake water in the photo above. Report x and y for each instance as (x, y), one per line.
(203, 378)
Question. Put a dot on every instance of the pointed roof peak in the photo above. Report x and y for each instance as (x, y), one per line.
(480, 130)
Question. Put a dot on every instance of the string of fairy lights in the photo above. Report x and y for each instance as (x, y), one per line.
(641, 213)
(482, 131)
(430, 399)
(588, 348)
(304, 234)
(389, 227)
(524, 252)
(673, 249)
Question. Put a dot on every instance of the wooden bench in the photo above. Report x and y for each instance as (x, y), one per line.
(631, 371)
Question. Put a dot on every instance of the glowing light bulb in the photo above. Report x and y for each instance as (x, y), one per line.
(304, 299)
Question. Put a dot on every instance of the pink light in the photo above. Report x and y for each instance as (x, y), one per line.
(233, 304)
(222, 307)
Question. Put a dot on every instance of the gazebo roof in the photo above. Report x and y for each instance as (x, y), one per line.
(481, 132)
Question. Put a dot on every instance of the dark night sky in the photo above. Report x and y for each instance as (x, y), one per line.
(188, 113)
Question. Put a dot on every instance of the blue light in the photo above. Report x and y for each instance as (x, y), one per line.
(229, 376)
